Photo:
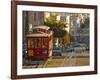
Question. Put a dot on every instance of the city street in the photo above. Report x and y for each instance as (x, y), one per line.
(69, 59)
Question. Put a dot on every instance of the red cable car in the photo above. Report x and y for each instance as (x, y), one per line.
(40, 43)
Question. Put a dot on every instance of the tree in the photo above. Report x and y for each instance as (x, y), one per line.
(87, 22)
(58, 28)
(53, 23)
(66, 40)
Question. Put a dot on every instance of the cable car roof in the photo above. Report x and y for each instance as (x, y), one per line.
(38, 35)
(42, 27)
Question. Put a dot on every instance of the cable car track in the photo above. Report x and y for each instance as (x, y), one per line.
(45, 63)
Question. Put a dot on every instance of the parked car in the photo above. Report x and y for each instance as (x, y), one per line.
(69, 50)
(80, 48)
(56, 52)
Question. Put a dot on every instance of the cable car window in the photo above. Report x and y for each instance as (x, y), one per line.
(39, 42)
(45, 42)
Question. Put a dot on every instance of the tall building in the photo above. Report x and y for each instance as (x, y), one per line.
(80, 28)
(36, 18)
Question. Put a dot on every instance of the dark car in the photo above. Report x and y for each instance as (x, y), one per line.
(69, 50)
(56, 52)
